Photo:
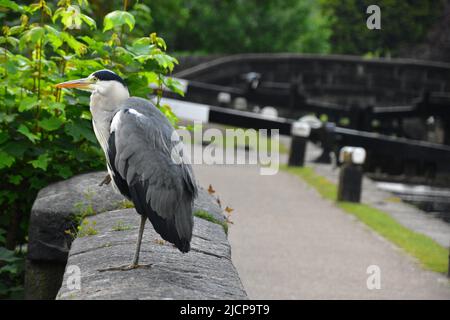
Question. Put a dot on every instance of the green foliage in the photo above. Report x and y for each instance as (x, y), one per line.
(79, 222)
(117, 19)
(121, 226)
(403, 23)
(202, 214)
(125, 204)
(233, 26)
(87, 228)
(11, 270)
(45, 133)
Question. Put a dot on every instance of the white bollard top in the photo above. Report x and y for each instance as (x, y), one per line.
(300, 129)
(356, 155)
(240, 103)
(269, 112)
(224, 97)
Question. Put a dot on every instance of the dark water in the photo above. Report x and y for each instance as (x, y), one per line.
(432, 200)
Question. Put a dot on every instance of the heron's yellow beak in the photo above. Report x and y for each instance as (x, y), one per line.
(82, 84)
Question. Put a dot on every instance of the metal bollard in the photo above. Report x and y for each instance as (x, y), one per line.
(300, 132)
(350, 176)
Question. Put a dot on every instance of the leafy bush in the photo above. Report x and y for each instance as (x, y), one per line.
(234, 26)
(230, 26)
(45, 133)
(403, 24)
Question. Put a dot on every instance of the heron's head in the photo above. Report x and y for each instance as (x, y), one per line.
(105, 85)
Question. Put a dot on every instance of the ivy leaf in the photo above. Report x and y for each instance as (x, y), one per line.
(6, 160)
(28, 103)
(23, 129)
(41, 162)
(50, 124)
(118, 18)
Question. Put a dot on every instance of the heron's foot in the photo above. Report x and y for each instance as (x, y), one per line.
(127, 267)
(106, 180)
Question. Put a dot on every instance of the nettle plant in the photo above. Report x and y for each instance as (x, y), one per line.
(46, 134)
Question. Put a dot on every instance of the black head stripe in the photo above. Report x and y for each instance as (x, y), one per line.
(106, 75)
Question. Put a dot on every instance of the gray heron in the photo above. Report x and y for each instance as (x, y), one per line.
(137, 140)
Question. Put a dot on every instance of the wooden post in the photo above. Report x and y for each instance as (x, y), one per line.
(300, 132)
(351, 174)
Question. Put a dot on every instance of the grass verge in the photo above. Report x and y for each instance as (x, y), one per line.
(430, 254)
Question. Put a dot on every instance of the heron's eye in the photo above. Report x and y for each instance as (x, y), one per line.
(95, 79)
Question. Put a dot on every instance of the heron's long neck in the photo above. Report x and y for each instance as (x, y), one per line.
(103, 108)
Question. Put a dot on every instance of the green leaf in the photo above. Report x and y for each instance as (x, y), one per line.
(165, 61)
(28, 103)
(41, 162)
(7, 255)
(89, 21)
(174, 85)
(7, 118)
(63, 171)
(54, 37)
(141, 46)
(6, 160)
(118, 18)
(11, 5)
(79, 131)
(23, 129)
(16, 148)
(15, 30)
(33, 36)
(52, 106)
(3, 137)
(12, 41)
(50, 124)
(79, 47)
(9, 268)
(15, 179)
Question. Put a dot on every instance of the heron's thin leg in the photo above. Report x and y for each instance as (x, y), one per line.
(139, 241)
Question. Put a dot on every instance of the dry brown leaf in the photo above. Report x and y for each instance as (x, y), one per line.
(229, 210)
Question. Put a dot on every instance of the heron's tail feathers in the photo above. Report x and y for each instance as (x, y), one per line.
(175, 228)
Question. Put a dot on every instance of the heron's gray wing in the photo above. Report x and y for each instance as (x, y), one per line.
(139, 152)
